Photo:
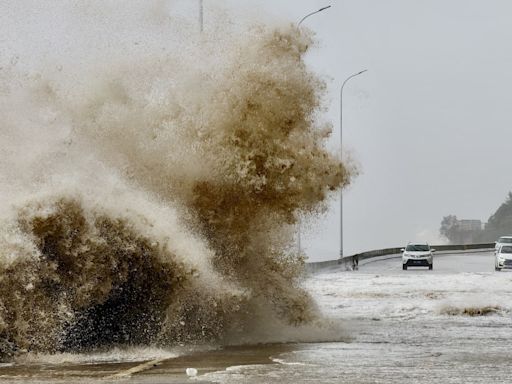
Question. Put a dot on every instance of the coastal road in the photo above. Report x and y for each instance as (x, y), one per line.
(381, 325)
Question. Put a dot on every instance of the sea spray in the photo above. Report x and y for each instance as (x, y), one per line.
(154, 202)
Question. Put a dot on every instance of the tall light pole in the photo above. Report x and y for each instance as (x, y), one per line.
(341, 151)
(299, 224)
(201, 16)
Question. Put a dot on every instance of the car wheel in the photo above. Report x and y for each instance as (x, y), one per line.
(431, 266)
(404, 267)
(497, 269)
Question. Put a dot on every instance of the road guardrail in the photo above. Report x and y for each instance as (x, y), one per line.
(350, 263)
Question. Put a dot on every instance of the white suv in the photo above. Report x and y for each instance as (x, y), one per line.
(503, 257)
(417, 255)
(503, 240)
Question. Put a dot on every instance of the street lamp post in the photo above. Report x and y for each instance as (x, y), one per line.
(341, 151)
(201, 16)
(299, 221)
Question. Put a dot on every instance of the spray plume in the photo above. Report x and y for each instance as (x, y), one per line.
(151, 198)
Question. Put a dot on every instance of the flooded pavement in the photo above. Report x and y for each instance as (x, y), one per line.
(158, 370)
(450, 325)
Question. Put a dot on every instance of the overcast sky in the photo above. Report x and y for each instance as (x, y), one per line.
(430, 123)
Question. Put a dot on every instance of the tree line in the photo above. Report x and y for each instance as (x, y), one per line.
(499, 224)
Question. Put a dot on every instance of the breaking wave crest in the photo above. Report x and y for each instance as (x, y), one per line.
(151, 200)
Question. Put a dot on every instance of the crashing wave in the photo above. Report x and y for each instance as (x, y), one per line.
(154, 203)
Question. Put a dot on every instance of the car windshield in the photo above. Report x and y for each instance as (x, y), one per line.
(505, 240)
(506, 249)
(417, 248)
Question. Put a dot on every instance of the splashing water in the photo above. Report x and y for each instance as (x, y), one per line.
(150, 200)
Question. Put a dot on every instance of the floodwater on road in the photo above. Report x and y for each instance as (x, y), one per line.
(450, 325)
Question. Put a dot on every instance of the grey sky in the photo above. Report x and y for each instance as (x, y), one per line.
(430, 123)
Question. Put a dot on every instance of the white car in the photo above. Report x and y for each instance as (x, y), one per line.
(503, 257)
(417, 255)
(503, 240)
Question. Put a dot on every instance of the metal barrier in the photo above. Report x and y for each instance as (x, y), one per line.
(351, 263)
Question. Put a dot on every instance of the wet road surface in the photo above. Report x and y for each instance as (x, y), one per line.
(449, 325)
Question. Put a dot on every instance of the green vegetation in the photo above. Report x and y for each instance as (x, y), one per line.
(499, 224)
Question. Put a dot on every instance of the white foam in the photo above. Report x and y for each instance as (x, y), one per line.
(133, 354)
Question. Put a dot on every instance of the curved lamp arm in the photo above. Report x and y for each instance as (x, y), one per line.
(311, 14)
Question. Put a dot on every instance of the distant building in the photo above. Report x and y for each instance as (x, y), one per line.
(469, 231)
(470, 225)
(461, 231)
